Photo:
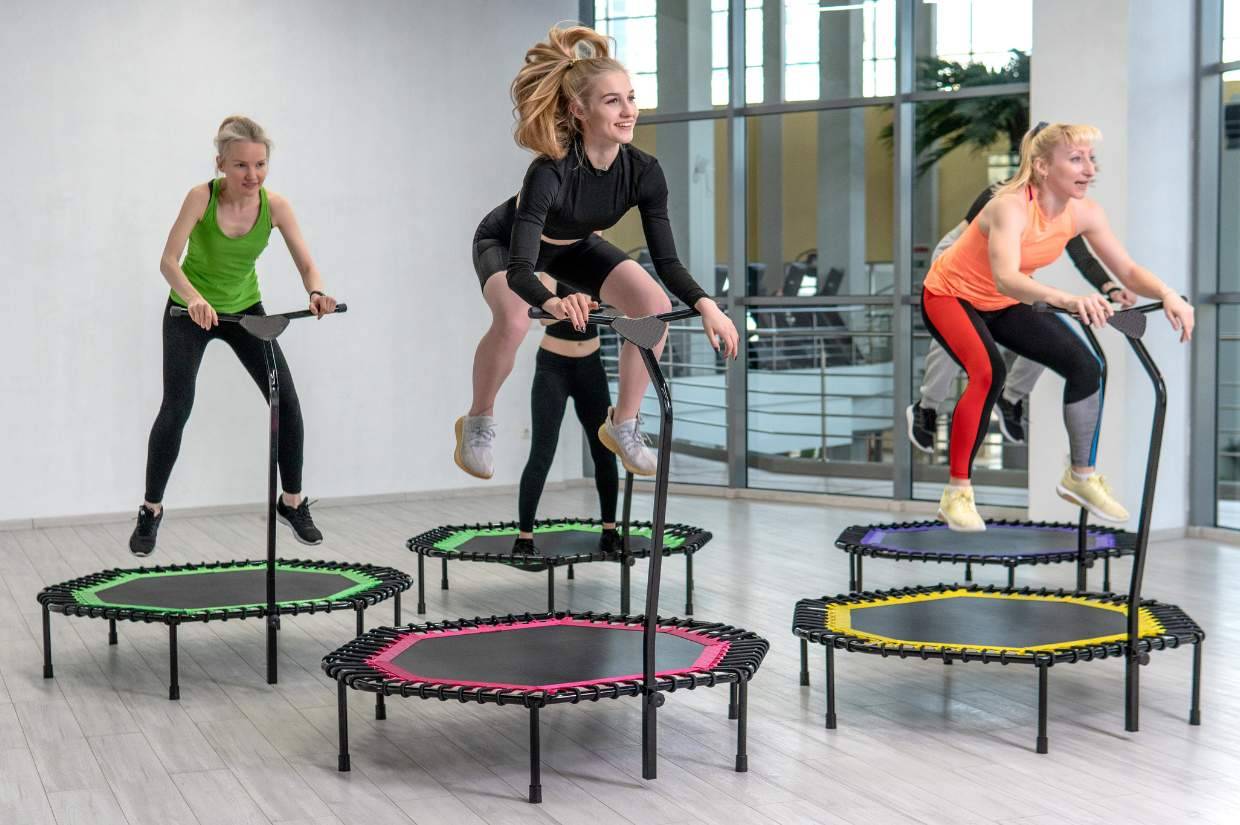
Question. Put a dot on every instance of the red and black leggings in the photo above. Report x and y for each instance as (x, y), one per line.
(969, 336)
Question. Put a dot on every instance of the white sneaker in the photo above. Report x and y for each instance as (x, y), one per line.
(626, 440)
(474, 437)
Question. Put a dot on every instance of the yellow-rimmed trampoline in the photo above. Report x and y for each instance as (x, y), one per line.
(972, 623)
(969, 623)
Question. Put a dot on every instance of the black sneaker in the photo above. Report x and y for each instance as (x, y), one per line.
(299, 519)
(611, 543)
(1012, 419)
(524, 547)
(922, 427)
(142, 540)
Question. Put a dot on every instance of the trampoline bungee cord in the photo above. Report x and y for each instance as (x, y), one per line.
(216, 591)
(536, 660)
(1041, 627)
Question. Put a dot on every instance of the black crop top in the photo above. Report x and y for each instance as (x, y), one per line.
(567, 199)
(564, 329)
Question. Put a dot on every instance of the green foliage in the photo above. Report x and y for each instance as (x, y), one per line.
(945, 125)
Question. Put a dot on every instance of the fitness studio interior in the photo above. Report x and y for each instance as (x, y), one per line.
(628, 412)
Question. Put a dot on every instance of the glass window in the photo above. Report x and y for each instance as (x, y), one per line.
(962, 43)
(693, 156)
(835, 49)
(1231, 30)
(819, 212)
(1227, 434)
(686, 44)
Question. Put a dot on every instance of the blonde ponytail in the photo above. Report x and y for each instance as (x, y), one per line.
(557, 72)
(1040, 142)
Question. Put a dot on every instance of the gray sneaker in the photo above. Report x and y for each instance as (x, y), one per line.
(474, 437)
(626, 440)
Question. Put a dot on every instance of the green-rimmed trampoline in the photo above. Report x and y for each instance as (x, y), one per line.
(561, 543)
(216, 591)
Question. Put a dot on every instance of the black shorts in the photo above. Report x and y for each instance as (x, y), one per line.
(583, 265)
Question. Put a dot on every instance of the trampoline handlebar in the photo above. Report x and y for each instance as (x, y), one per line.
(178, 311)
(1042, 306)
(539, 314)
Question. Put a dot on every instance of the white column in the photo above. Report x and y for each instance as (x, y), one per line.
(841, 153)
(1139, 91)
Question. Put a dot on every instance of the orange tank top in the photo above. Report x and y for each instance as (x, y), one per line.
(963, 270)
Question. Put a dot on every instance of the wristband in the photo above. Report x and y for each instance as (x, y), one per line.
(314, 292)
(1112, 289)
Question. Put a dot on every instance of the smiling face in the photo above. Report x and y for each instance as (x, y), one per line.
(244, 166)
(608, 110)
(1069, 170)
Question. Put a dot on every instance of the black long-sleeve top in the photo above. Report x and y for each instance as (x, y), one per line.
(567, 199)
(1078, 250)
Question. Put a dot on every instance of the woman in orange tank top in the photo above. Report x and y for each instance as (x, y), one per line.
(978, 293)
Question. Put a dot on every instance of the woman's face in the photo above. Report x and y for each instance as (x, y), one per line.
(244, 166)
(1071, 170)
(609, 111)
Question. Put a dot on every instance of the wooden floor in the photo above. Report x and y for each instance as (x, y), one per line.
(917, 742)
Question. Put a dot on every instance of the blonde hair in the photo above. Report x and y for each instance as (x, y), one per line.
(239, 129)
(557, 73)
(1039, 143)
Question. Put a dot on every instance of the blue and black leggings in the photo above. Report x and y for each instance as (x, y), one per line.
(969, 336)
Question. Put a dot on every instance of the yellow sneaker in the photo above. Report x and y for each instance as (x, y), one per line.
(1093, 493)
(957, 509)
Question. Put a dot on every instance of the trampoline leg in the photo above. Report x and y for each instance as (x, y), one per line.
(688, 584)
(535, 759)
(830, 686)
(421, 584)
(342, 714)
(443, 578)
(174, 685)
(273, 625)
(742, 758)
(650, 728)
(804, 663)
(361, 621)
(396, 609)
(1194, 712)
(732, 689)
(1106, 574)
(112, 631)
(1132, 693)
(968, 571)
(859, 586)
(852, 573)
(47, 643)
(624, 585)
(550, 589)
(570, 573)
(380, 707)
(1011, 578)
(1043, 673)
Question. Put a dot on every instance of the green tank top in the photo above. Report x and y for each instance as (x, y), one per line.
(222, 268)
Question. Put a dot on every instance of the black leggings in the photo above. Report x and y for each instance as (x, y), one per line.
(184, 344)
(556, 379)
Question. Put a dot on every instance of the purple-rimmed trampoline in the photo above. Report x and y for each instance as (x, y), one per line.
(1006, 543)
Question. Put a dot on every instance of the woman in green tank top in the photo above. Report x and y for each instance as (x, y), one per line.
(227, 223)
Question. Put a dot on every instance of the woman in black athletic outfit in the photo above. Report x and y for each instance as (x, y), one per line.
(569, 366)
(575, 109)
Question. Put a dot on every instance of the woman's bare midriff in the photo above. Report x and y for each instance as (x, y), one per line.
(569, 349)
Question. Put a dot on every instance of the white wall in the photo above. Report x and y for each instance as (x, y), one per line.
(391, 122)
(1126, 66)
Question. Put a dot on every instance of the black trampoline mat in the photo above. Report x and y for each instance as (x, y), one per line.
(222, 588)
(1011, 623)
(547, 655)
(997, 540)
(552, 544)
